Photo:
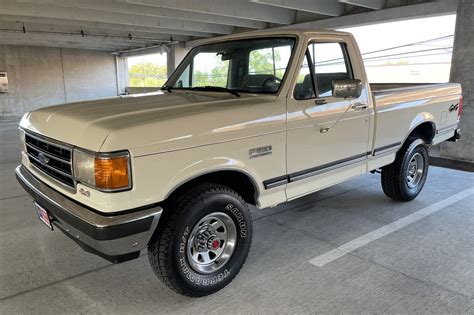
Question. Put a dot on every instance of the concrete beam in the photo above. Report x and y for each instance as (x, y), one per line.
(14, 8)
(144, 37)
(371, 4)
(146, 10)
(156, 49)
(326, 7)
(228, 8)
(71, 40)
(15, 42)
(106, 26)
(387, 15)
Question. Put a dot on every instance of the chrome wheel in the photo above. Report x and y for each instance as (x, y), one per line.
(415, 170)
(211, 242)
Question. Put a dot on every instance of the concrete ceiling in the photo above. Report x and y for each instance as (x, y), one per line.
(121, 25)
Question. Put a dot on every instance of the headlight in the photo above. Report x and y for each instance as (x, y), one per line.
(104, 171)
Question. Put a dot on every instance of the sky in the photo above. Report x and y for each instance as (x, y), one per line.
(431, 65)
(385, 35)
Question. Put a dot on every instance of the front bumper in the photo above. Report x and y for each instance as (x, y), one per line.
(115, 237)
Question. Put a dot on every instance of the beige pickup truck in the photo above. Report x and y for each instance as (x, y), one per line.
(257, 118)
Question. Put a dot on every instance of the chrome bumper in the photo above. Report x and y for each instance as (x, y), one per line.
(116, 237)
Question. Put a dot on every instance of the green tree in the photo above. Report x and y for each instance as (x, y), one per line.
(147, 74)
(261, 62)
(217, 76)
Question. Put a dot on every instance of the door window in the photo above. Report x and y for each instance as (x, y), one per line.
(329, 62)
(304, 88)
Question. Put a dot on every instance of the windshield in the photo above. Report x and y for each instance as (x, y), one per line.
(255, 65)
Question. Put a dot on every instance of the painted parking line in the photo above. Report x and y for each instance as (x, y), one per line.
(350, 246)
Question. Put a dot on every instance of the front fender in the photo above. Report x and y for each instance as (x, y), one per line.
(156, 176)
(209, 166)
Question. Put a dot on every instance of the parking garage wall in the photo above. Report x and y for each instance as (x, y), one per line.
(42, 76)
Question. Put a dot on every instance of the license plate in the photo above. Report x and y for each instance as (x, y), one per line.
(43, 215)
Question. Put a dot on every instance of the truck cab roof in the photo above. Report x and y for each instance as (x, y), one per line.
(272, 32)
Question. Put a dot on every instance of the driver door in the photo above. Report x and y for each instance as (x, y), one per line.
(327, 139)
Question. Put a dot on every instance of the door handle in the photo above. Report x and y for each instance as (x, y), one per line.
(359, 106)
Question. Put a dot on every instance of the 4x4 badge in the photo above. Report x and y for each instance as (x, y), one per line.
(453, 107)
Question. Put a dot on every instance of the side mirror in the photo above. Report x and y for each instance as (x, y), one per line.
(346, 88)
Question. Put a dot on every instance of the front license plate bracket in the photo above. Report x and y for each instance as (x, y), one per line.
(43, 215)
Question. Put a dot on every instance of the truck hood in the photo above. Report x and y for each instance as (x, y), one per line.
(130, 122)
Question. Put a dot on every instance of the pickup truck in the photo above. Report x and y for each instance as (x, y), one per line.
(256, 118)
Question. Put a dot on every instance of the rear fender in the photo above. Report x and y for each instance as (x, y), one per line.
(421, 118)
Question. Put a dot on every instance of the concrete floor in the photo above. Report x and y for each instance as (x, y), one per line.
(427, 266)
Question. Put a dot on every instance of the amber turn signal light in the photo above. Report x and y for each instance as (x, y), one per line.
(112, 172)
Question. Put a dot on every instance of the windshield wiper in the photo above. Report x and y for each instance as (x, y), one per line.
(214, 88)
(167, 88)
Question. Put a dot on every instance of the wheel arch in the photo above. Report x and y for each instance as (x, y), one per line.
(423, 127)
(238, 180)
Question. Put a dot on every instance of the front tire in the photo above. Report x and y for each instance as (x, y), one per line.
(404, 179)
(203, 243)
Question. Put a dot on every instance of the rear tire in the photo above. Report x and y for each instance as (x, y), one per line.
(201, 245)
(405, 177)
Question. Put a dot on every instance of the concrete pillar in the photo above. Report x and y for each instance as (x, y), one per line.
(122, 74)
(175, 56)
(462, 70)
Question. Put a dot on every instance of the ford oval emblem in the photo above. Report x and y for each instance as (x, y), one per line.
(43, 158)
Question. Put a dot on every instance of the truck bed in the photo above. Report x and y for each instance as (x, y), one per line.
(400, 107)
(380, 87)
(395, 93)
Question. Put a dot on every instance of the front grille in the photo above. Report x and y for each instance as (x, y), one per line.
(51, 158)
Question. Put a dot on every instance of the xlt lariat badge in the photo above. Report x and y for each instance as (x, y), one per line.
(260, 151)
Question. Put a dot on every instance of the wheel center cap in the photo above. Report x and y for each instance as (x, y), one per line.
(213, 243)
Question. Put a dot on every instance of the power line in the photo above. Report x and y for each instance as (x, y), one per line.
(395, 47)
(409, 64)
(408, 53)
(400, 55)
(408, 45)
(425, 55)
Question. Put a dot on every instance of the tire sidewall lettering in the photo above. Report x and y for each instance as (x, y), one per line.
(182, 244)
(240, 219)
(204, 281)
(212, 279)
